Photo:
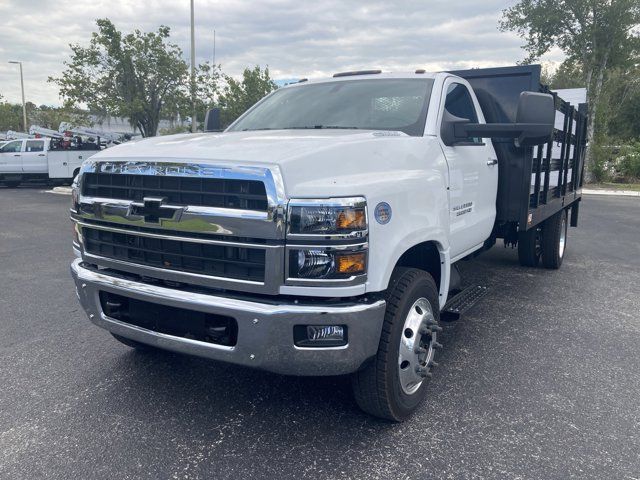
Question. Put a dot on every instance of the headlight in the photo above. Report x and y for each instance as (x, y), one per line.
(327, 263)
(335, 216)
(318, 247)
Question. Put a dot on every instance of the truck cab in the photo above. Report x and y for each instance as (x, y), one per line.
(318, 234)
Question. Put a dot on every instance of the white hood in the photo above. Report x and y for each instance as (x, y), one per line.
(312, 162)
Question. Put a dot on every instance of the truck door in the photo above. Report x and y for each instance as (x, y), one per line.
(473, 174)
(10, 157)
(34, 157)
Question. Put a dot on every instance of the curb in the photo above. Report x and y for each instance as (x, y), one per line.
(619, 193)
(60, 190)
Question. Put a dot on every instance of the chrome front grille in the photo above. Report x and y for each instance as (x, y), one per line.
(216, 226)
(240, 263)
(194, 191)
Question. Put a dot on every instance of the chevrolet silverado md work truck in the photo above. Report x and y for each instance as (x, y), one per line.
(318, 234)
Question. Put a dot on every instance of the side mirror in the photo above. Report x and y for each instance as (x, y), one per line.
(537, 115)
(450, 124)
(212, 121)
(535, 121)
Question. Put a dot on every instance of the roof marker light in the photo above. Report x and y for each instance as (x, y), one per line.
(357, 72)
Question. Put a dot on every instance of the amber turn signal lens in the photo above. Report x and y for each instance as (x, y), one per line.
(353, 263)
(352, 219)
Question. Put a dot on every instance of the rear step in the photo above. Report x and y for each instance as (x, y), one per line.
(462, 301)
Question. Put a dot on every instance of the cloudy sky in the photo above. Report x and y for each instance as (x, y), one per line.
(296, 38)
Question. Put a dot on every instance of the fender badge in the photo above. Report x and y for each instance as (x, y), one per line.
(383, 213)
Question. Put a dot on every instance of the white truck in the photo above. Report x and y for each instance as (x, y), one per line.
(40, 159)
(318, 234)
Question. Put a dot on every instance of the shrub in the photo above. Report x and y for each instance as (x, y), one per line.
(629, 161)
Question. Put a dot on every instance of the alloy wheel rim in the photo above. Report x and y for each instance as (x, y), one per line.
(417, 342)
(563, 236)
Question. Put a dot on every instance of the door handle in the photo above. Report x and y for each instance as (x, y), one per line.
(41, 154)
(16, 154)
(492, 161)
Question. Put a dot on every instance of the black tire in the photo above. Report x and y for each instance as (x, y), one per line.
(132, 343)
(376, 387)
(553, 249)
(12, 183)
(530, 247)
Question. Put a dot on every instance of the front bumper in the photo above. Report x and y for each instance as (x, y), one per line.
(265, 330)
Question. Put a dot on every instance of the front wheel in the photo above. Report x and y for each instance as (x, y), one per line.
(554, 240)
(394, 383)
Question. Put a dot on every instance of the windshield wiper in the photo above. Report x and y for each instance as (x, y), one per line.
(253, 129)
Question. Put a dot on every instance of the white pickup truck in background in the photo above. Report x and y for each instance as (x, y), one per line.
(319, 233)
(42, 159)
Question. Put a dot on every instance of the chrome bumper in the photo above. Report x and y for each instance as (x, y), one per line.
(265, 330)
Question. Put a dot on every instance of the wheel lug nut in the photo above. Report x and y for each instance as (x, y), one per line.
(423, 372)
(420, 351)
(436, 328)
(436, 345)
(433, 364)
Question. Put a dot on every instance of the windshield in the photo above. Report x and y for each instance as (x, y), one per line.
(380, 104)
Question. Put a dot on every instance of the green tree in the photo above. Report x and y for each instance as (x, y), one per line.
(595, 34)
(208, 80)
(51, 117)
(621, 105)
(139, 76)
(238, 96)
(10, 116)
(568, 75)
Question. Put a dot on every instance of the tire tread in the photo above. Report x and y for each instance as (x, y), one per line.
(370, 387)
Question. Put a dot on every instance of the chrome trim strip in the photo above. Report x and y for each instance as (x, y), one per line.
(217, 211)
(164, 336)
(207, 241)
(162, 273)
(329, 202)
(351, 246)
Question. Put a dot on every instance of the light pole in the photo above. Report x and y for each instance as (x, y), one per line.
(24, 105)
(193, 74)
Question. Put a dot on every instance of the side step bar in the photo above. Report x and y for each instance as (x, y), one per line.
(461, 302)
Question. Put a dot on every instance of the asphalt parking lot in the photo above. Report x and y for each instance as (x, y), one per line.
(540, 380)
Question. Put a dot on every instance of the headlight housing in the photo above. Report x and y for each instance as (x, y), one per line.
(318, 247)
(335, 217)
(327, 263)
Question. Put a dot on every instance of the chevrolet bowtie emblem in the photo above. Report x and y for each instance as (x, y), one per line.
(153, 210)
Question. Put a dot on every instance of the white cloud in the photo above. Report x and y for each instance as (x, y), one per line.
(295, 38)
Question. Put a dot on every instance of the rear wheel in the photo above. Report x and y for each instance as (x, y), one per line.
(554, 240)
(530, 247)
(132, 343)
(394, 383)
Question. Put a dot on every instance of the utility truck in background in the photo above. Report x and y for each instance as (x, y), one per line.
(43, 159)
(319, 233)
